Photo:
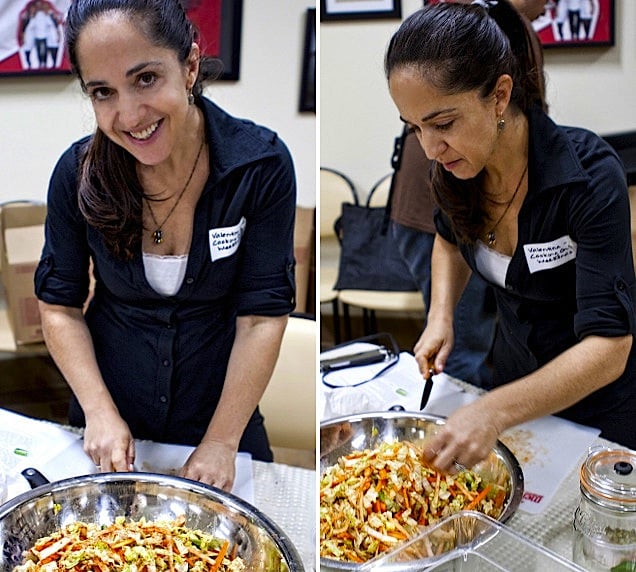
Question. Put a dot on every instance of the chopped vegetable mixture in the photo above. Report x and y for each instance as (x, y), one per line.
(374, 499)
(135, 546)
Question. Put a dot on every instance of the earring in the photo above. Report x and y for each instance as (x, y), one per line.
(501, 123)
(190, 98)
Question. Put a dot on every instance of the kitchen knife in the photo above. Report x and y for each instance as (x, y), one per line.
(428, 387)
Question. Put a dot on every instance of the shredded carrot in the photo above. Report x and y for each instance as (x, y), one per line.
(219, 558)
(480, 497)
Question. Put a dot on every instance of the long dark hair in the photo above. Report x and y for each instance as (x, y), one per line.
(466, 47)
(110, 194)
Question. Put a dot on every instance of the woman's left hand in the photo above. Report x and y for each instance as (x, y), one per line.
(212, 463)
(466, 438)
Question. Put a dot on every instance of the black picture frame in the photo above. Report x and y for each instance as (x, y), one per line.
(335, 10)
(308, 78)
(219, 23)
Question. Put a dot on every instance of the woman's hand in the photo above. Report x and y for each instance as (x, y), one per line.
(108, 442)
(434, 346)
(466, 438)
(212, 463)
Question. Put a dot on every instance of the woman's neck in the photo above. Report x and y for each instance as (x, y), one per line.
(509, 159)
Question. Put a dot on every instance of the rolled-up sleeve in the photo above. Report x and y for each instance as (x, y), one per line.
(62, 275)
(604, 264)
(266, 285)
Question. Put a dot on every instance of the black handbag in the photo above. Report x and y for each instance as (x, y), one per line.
(369, 258)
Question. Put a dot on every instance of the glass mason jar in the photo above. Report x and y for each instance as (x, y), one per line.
(605, 520)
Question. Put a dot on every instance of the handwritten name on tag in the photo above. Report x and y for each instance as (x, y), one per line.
(547, 255)
(225, 241)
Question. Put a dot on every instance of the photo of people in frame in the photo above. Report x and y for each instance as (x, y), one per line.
(32, 36)
(576, 22)
(40, 35)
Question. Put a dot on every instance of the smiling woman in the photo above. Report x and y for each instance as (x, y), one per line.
(160, 352)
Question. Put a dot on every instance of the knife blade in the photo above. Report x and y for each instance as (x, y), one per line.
(428, 387)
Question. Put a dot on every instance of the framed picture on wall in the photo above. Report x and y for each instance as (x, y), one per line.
(576, 24)
(573, 23)
(308, 77)
(219, 24)
(32, 35)
(331, 10)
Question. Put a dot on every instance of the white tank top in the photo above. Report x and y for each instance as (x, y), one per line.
(492, 264)
(165, 273)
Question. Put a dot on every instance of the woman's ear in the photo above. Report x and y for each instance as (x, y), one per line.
(192, 66)
(502, 93)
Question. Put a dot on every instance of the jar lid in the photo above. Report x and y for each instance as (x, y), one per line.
(608, 476)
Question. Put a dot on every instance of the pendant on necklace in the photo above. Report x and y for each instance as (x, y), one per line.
(157, 236)
(492, 239)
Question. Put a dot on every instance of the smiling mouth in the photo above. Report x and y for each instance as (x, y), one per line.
(146, 133)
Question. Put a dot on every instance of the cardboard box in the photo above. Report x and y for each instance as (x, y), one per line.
(22, 239)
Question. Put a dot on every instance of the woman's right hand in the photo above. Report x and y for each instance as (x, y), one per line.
(434, 346)
(109, 442)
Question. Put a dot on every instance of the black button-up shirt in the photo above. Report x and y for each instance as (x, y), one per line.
(572, 273)
(164, 358)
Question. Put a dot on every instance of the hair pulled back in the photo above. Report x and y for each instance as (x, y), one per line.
(110, 194)
(466, 47)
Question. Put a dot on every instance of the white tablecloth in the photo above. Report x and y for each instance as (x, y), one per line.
(283, 493)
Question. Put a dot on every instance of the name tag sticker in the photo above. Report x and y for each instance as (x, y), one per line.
(225, 241)
(547, 255)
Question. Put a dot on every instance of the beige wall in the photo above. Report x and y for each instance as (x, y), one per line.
(40, 117)
(590, 87)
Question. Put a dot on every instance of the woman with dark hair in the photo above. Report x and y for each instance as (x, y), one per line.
(538, 210)
(186, 214)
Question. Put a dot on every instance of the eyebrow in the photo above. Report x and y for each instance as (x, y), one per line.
(430, 116)
(132, 71)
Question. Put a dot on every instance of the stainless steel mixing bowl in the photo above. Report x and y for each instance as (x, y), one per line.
(342, 435)
(101, 498)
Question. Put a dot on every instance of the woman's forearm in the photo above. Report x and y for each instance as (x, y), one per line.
(70, 345)
(576, 373)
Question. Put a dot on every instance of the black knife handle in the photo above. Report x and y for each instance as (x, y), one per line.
(34, 477)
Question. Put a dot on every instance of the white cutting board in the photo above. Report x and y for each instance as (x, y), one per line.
(58, 454)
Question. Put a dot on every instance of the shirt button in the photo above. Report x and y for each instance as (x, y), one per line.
(509, 287)
(166, 362)
(621, 285)
(163, 399)
(189, 280)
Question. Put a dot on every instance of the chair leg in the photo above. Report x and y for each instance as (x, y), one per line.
(347, 321)
(336, 322)
(366, 322)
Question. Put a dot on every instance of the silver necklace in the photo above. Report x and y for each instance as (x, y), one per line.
(491, 236)
(157, 235)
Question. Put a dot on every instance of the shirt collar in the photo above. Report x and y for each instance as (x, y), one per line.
(234, 142)
(553, 159)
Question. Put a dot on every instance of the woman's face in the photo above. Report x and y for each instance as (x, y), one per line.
(139, 91)
(459, 131)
